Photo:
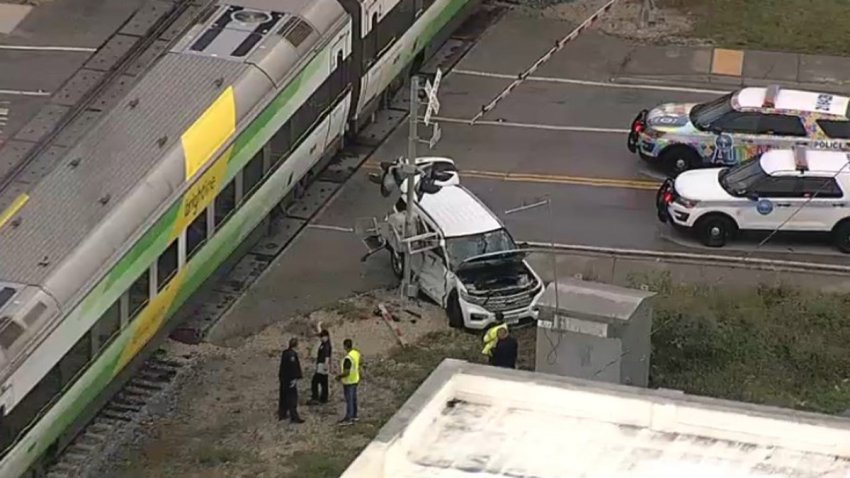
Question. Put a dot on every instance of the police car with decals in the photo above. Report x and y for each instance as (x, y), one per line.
(795, 189)
(738, 126)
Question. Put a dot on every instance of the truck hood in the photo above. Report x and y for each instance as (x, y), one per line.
(701, 185)
(670, 117)
(491, 259)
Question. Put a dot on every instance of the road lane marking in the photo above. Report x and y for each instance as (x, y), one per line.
(330, 228)
(550, 127)
(77, 49)
(551, 179)
(603, 84)
(25, 92)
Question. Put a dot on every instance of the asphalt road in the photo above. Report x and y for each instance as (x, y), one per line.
(564, 139)
(46, 48)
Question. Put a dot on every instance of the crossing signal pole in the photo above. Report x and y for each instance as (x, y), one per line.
(409, 169)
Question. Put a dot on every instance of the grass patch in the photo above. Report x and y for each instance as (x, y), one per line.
(769, 345)
(804, 26)
(210, 456)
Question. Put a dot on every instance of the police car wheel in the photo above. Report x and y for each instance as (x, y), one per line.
(714, 231)
(678, 160)
(841, 236)
(453, 311)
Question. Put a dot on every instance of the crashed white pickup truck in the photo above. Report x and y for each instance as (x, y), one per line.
(463, 258)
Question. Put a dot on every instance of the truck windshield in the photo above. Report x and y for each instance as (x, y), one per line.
(704, 114)
(462, 248)
(738, 180)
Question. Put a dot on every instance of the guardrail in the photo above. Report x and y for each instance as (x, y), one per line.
(714, 260)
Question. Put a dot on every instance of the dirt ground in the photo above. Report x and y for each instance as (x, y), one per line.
(669, 26)
(224, 419)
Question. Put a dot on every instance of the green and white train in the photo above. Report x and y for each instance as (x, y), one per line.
(97, 256)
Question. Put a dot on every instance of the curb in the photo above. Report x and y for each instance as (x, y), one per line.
(706, 259)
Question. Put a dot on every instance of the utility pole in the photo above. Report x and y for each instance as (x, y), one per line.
(410, 171)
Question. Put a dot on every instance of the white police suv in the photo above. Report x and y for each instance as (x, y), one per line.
(787, 189)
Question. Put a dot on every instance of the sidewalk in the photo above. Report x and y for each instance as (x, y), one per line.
(595, 56)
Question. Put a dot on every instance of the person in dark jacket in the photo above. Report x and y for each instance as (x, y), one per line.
(506, 350)
(289, 374)
(323, 366)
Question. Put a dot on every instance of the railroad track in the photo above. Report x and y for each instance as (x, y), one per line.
(154, 377)
(158, 372)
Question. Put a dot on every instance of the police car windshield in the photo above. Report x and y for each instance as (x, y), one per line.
(462, 248)
(739, 179)
(704, 114)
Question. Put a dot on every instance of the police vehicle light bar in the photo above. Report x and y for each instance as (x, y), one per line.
(770, 94)
(800, 163)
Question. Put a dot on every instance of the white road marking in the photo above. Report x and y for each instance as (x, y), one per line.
(48, 48)
(330, 228)
(603, 84)
(25, 92)
(551, 127)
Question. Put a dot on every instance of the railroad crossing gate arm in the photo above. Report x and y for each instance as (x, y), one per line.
(372, 234)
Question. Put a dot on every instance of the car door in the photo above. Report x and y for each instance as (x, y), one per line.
(771, 204)
(735, 134)
(777, 130)
(431, 267)
(823, 204)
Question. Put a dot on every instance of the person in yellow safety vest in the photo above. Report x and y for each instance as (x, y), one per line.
(350, 378)
(492, 336)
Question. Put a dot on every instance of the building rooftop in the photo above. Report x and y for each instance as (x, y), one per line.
(469, 420)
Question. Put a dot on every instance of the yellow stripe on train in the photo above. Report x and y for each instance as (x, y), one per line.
(209, 132)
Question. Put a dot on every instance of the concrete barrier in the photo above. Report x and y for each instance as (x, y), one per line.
(630, 267)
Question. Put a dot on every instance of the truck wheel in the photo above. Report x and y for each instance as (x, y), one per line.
(715, 230)
(841, 236)
(454, 312)
(397, 263)
(677, 160)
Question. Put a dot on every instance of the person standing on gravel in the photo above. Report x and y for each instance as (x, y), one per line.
(323, 365)
(289, 374)
(350, 378)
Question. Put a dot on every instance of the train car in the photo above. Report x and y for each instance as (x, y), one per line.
(96, 258)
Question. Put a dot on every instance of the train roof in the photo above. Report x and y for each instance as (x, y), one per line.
(89, 181)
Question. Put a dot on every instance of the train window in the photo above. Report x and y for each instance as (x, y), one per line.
(302, 120)
(28, 409)
(107, 326)
(9, 332)
(166, 266)
(252, 175)
(281, 142)
(337, 79)
(225, 204)
(196, 235)
(74, 361)
(6, 293)
(139, 294)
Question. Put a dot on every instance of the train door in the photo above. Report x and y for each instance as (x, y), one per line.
(371, 75)
(339, 73)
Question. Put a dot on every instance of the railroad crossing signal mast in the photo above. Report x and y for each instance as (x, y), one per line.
(409, 170)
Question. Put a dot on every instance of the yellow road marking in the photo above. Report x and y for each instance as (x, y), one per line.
(13, 208)
(552, 179)
(727, 62)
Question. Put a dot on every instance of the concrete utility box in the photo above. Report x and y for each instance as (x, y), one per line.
(599, 332)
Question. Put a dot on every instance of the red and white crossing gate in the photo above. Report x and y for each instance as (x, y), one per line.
(543, 59)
